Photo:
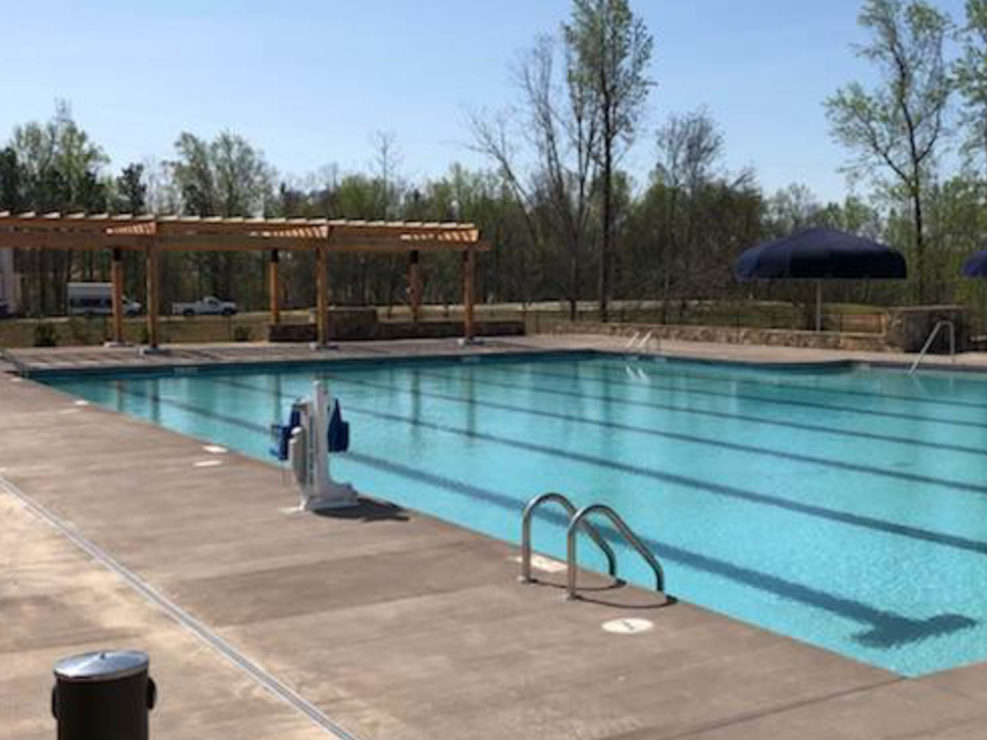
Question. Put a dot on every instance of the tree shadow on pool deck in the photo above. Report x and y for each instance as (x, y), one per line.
(367, 511)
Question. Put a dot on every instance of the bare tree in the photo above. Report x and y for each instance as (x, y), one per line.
(689, 147)
(387, 159)
(564, 131)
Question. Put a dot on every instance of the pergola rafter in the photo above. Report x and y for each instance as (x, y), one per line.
(155, 234)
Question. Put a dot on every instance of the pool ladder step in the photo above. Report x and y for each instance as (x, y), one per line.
(579, 519)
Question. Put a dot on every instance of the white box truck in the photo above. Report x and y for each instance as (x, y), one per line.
(95, 299)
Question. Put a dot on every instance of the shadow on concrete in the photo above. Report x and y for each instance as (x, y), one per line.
(367, 511)
(617, 594)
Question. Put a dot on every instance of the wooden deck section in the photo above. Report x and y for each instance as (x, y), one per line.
(393, 624)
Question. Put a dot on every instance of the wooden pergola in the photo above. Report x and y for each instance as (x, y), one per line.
(152, 235)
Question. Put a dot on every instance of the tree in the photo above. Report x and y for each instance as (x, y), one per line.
(611, 49)
(10, 180)
(566, 137)
(792, 209)
(561, 126)
(971, 77)
(225, 177)
(131, 189)
(898, 125)
(689, 146)
(494, 140)
(58, 168)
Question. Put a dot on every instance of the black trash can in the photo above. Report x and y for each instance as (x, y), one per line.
(103, 696)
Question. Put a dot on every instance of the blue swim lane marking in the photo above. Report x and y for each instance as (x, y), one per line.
(887, 629)
(803, 426)
(763, 499)
(688, 391)
(680, 437)
(664, 371)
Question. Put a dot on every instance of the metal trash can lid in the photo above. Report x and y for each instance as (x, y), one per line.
(106, 665)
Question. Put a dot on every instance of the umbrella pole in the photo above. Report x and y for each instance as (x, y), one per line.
(818, 305)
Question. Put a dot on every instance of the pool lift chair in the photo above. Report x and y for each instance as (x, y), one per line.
(315, 429)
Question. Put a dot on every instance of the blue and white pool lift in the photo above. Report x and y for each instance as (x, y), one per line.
(315, 429)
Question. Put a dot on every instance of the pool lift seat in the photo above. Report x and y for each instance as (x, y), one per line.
(580, 520)
(315, 430)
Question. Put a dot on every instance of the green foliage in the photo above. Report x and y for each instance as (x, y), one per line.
(242, 333)
(897, 126)
(970, 74)
(81, 329)
(610, 49)
(131, 190)
(45, 334)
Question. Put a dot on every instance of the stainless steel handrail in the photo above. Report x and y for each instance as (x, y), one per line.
(932, 336)
(624, 530)
(639, 342)
(570, 510)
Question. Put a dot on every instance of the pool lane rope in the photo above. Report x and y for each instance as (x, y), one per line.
(260, 676)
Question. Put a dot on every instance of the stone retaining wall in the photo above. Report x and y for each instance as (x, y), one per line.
(731, 335)
(909, 328)
(907, 331)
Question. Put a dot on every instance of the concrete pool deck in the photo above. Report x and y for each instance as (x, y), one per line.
(128, 358)
(389, 623)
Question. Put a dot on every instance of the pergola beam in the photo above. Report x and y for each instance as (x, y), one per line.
(86, 241)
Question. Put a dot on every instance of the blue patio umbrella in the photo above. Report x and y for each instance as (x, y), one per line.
(976, 265)
(820, 254)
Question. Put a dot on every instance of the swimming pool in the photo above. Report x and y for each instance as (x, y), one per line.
(842, 506)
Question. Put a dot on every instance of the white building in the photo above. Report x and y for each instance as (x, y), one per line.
(10, 283)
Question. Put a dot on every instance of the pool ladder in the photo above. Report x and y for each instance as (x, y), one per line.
(580, 519)
(944, 324)
(641, 343)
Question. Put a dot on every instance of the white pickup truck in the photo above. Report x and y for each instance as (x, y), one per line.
(208, 306)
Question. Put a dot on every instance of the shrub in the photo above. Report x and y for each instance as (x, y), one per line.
(44, 334)
(241, 333)
(80, 329)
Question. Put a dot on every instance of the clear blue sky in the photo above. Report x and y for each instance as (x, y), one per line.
(309, 81)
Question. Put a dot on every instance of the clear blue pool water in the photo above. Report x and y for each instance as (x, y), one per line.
(844, 507)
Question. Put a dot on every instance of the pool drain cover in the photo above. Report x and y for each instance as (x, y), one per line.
(628, 626)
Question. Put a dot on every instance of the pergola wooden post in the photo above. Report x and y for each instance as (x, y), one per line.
(153, 296)
(272, 286)
(415, 286)
(322, 295)
(469, 270)
(116, 276)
